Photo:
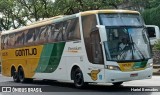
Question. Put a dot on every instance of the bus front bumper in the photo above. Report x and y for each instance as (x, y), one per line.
(119, 76)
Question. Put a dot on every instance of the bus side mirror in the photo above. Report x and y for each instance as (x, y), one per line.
(102, 32)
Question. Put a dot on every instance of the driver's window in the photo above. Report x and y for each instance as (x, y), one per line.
(113, 40)
(117, 40)
(113, 34)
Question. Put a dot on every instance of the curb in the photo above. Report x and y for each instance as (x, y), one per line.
(156, 73)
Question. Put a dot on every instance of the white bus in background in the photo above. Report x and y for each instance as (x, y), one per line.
(153, 33)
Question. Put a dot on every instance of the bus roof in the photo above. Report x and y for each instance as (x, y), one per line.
(50, 20)
(108, 11)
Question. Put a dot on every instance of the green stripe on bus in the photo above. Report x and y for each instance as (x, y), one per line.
(50, 57)
(140, 64)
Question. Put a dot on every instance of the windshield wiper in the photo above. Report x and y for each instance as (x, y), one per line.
(134, 47)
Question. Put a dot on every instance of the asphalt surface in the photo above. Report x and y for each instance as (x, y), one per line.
(146, 87)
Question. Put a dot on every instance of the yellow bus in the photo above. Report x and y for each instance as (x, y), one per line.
(98, 46)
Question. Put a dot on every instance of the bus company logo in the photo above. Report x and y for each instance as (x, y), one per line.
(26, 52)
(74, 49)
(126, 66)
(94, 74)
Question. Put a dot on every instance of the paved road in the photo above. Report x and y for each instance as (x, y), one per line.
(102, 89)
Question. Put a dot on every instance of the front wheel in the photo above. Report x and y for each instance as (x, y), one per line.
(78, 79)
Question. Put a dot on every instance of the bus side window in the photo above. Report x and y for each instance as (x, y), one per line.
(11, 40)
(51, 33)
(72, 30)
(19, 38)
(29, 37)
(66, 29)
(43, 34)
(2, 42)
(5, 41)
(36, 35)
(57, 32)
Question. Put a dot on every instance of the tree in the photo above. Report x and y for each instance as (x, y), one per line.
(17, 13)
(74, 6)
(153, 4)
(35, 9)
(151, 16)
(152, 13)
(11, 16)
(5, 19)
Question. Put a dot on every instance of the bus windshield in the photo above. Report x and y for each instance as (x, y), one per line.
(119, 19)
(127, 44)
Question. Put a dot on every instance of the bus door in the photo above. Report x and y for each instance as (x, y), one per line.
(97, 55)
(97, 69)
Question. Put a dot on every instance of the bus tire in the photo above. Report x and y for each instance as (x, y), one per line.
(21, 75)
(117, 83)
(14, 74)
(78, 79)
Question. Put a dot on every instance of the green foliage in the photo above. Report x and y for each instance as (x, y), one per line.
(153, 3)
(74, 6)
(157, 45)
(6, 8)
(151, 16)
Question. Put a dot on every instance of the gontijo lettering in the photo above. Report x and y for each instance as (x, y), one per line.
(26, 52)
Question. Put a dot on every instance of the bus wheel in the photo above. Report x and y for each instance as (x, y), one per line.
(78, 79)
(15, 75)
(21, 75)
(117, 83)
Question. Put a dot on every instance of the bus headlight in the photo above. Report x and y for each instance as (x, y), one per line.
(149, 65)
(111, 67)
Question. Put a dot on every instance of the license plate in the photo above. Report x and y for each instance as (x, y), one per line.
(134, 75)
